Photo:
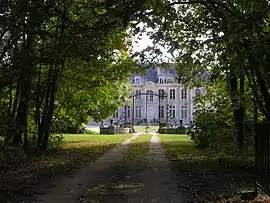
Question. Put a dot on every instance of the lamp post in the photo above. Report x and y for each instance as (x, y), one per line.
(146, 112)
(132, 122)
(159, 108)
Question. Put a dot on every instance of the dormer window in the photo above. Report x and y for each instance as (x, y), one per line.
(161, 80)
(137, 79)
(197, 92)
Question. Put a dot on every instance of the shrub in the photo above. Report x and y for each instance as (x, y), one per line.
(56, 141)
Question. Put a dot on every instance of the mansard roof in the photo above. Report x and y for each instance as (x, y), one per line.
(169, 74)
(152, 74)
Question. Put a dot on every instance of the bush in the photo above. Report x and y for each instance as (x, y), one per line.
(203, 131)
(212, 130)
(56, 141)
(64, 125)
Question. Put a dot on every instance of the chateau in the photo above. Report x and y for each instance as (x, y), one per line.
(157, 96)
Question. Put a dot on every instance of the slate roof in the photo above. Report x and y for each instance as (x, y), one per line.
(152, 74)
(169, 73)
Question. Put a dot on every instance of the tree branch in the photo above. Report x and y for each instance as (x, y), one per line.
(203, 2)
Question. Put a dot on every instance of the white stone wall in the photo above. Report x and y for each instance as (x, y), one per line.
(153, 106)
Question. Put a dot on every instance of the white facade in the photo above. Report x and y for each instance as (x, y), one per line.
(176, 104)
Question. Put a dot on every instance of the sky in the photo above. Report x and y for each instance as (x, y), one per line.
(142, 41)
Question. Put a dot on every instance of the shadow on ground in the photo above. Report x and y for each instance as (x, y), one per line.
(205, 177)
(118, 183)
(20, 175)
(209, 181)
(199, 178)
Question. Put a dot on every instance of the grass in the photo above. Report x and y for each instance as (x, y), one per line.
(181, 147)
(94, 138)
(21, 173)
(122, 180)
(203, 176)
(139, 148)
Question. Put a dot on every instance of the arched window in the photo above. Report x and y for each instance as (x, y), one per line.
(149, 95)
(137, 79)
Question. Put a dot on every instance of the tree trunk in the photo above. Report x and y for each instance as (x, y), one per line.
(241, 115)
(21, 118)
(52, 98)
(13, 114)
(26, 77)
(235, 103)
(43, 124)
(264, 91)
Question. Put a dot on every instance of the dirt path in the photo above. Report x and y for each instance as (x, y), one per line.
(136, 180)
(113, 179)
(158, 179)
(68, 189)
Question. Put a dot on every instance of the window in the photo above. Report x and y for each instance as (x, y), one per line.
(172, 93)
(149, 95)
(197, 92)
(138, 94)
(137, 79)
(115, 114)
(138, 111)
(172, 111)
(161, 80)
(184, 112)
(184, 94)
(161, 93)
(161, 111)
(128, 111)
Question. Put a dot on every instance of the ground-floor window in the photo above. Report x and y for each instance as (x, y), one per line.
(184, 111)
(172, 111)
(138, 112)
(161, 111)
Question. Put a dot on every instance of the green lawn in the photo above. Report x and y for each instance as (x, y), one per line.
(206, 176)
(181, 147)
(95, 138)
(139, 148)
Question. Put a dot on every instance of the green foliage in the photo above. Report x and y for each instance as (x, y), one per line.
(32, 132)
(59, 62)
(56, 141)
(208, 128)
(227, 39)
(214, 126)
(213, 113)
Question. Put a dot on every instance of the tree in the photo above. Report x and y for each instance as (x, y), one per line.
(228, 39)
(45, 45)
